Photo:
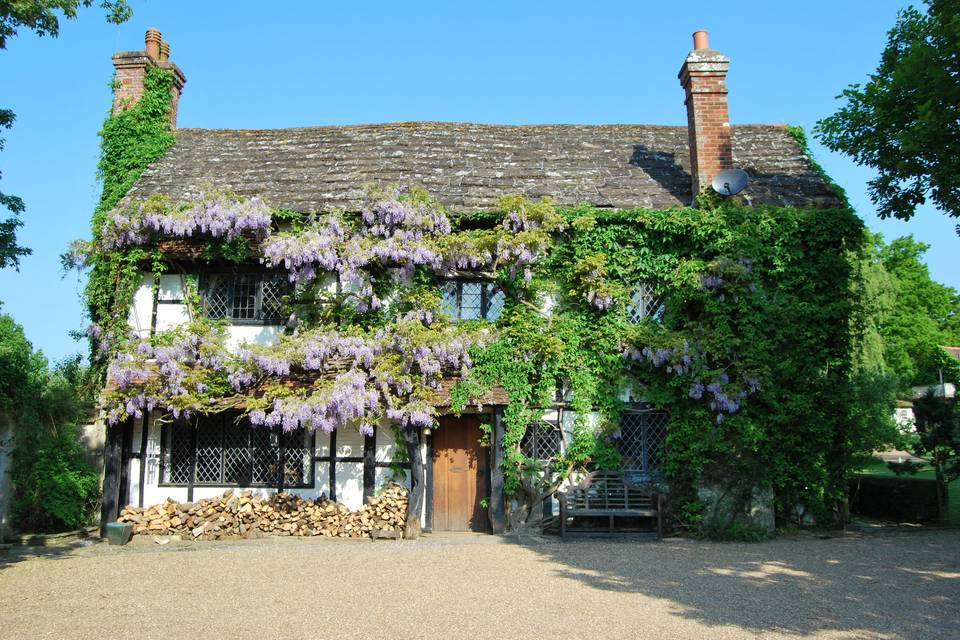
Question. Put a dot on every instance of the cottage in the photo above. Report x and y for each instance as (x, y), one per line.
(153, 454)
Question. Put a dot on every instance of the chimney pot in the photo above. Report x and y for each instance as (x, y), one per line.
(153, 40)
(700, 40)
(131, 68)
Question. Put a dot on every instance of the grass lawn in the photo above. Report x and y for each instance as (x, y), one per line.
(878, 467)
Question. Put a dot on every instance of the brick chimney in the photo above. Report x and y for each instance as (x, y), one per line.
(703, 76)
(131, 70)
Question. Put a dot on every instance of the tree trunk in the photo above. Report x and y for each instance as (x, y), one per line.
(417, 484)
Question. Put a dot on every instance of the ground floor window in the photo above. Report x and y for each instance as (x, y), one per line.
(542, 441)
(224, 450)
(643, 435)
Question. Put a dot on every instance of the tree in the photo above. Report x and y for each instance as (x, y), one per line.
(905, 122)
(923, 318)
(43, 18)
(54, 487)
(938, 439)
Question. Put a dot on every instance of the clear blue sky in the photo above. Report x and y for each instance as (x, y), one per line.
(251, 64)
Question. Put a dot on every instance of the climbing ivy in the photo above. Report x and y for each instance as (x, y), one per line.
(758, 308)
(130, 141)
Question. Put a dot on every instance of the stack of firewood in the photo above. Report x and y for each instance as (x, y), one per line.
(241, 515)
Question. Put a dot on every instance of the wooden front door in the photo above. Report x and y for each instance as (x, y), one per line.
(461, 474)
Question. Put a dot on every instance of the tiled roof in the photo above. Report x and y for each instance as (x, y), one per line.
(469, 166)
(953, 351)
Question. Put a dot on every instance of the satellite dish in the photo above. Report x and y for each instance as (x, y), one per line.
(729, 182)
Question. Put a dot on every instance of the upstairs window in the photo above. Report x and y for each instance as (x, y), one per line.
(472, 300)
(245, 298)
(646, 303)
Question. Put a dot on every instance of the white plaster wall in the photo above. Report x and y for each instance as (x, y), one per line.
(386, 444)
(349, 443)
(253, 334)
(141, 310)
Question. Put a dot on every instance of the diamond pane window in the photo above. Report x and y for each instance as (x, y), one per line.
(643, 435)
(471, 300)
(245, 298)
(646, 303)
(178, 458)
(224, 451)
(542, 441)
(266, 455)
(209, 455)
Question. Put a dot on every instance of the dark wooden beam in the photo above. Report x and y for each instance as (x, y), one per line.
(369, 464)
(126, 446)
(412, 529)
(109, 509)
(497, 515)
(333, 465)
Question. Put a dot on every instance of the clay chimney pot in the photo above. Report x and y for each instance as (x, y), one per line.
(700, 40)
(164, 51)
(153, 40)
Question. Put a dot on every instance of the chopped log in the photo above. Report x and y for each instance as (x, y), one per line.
(240, 515)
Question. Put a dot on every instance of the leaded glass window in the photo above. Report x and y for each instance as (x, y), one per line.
(646, 303)
(221, 450)
(542, 441)
(472, 300)
(245, 298)
(643, 436)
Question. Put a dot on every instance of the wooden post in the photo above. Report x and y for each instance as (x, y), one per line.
(333, 465)
(109, 509)
(417, 481)
(497, 517)
(369, 465)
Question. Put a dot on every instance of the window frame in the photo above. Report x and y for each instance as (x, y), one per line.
(652, 291)
(209, 280)
(645, 472)
(221, 421)
(487, 289)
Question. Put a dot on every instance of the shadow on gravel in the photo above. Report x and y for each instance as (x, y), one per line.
(20, 553)
(903, 585)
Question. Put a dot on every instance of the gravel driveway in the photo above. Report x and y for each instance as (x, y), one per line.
(896, 585)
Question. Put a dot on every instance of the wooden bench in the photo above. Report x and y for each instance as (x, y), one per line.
(607, 493)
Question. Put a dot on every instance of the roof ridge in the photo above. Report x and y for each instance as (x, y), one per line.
(455, 123)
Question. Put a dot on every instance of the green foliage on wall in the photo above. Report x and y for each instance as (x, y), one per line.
(130, 141)
(784, 317)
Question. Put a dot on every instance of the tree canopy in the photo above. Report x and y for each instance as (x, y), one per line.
(914, 315)
(905, 121)
(43, 18)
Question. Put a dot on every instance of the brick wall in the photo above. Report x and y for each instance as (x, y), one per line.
(703, 77)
